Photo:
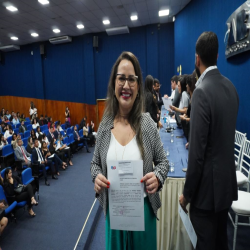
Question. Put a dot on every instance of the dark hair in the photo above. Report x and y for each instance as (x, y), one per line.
(44, 135)
(38, 127)
(7, 170)
(43, 142)
(156, 81)
(41, 116)
(51, 126)
(182, 81)
(207, 47)
(40, 137)
(174, 79)
(59, 123)
(29, 139)
(33, 122)
(32, 105)
(149, 82)
(190, 83)
(33, 132)
(13, 136)
(112, 104)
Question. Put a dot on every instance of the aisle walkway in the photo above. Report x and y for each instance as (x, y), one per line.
(61, 213)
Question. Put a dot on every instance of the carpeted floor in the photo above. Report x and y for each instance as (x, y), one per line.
(61, 213)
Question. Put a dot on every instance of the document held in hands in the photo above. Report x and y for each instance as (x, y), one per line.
(126, 195)
(167, 102)
(188, 225)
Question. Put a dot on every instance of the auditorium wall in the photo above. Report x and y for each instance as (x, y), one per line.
(199, 16)
(76, 72)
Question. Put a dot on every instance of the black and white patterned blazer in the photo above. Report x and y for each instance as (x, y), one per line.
(153, 153)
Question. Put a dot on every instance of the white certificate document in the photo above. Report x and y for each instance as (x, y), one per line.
(167, 102)
(188, 225)
(126, 195)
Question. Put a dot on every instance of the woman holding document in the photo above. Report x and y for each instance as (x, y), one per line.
(128, 134)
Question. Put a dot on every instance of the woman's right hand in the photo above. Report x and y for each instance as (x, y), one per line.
(100, 183)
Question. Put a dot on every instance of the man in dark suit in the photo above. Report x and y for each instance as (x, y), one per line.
(67, 123)
(50, 134)
(38, 158)
(79, 140)
(211, 185)
(22, 128)
(156, 87)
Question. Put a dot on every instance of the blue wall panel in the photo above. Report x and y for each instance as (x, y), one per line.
(76, 72)
(200, 16)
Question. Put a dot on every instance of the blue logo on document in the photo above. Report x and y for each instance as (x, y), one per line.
(113, 167)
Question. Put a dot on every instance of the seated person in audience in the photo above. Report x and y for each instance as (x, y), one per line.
(33, 134)
(51, 134)
(2, 128)
(57, 161)
(89, 136)
(2, 114)
(14, 140)
(30, 145)
(79, 140)
(46, 119)
(92, 129)
(38, 131)
(82, 123)
(15, 120)
(18, 115)
(41, 121)
(22, 118)
(35, 124)
(3, 142)
(57, 147)
(45, 139)
(59, 128)
(39, 159)
(6, 120)
(49, 122)
(22, 128)
(11, 182)
(21, 154)
(12, 116)
(40, 140)
(67, 123)
(56, 132)
(8, 115)
(8, 132)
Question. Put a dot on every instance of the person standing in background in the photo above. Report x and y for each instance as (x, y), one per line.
(32, 111)
(67, 114)
(211, 184)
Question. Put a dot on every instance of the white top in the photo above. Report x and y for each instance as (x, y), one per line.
(7, 134)
(37, 134)
(34, 126)
(172, 95)
(117, 152)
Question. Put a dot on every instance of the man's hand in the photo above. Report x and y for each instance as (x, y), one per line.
(165, 96)
(151, 182)
(183, 202)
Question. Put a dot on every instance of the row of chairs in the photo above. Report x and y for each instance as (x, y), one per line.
(241, 207)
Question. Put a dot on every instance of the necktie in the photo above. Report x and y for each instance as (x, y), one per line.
(39, 154)
(23, 154)
(52, 135)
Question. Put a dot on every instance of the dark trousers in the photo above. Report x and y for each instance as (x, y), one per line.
(210, 227)
(57, 161)
(26, 195)
(84, 141)
(50, 164)
(63, 152)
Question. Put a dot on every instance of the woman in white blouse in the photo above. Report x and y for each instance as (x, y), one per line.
(35, 124)
(38, 131)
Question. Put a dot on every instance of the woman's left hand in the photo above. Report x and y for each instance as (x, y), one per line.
(151, 182)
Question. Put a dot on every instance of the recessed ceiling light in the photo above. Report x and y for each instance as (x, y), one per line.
(134, 17)
(43, 1)
(11, 8)
(56, 31)
(106, 22)
(80, 26)
(14, 38)
(173, 18)
(34, 34)
(163, 12)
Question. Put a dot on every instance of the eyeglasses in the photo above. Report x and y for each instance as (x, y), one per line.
(132, 80)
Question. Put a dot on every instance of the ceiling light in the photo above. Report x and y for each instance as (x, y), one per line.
(56, 31)
(14, 38)
(134, 17)
(34, 34)
(173, 18)
(106, 22)
(163, 12)
(80, 26)
(43, 1)
(11, 8)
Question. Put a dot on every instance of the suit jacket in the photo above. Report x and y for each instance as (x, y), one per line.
(22, 129)
(153, 152)
(49, 137)
(35, 156)
(160, 101)
(177, 98)
(19, 154)
(75, 135)
(211, 177)
(56, 134)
